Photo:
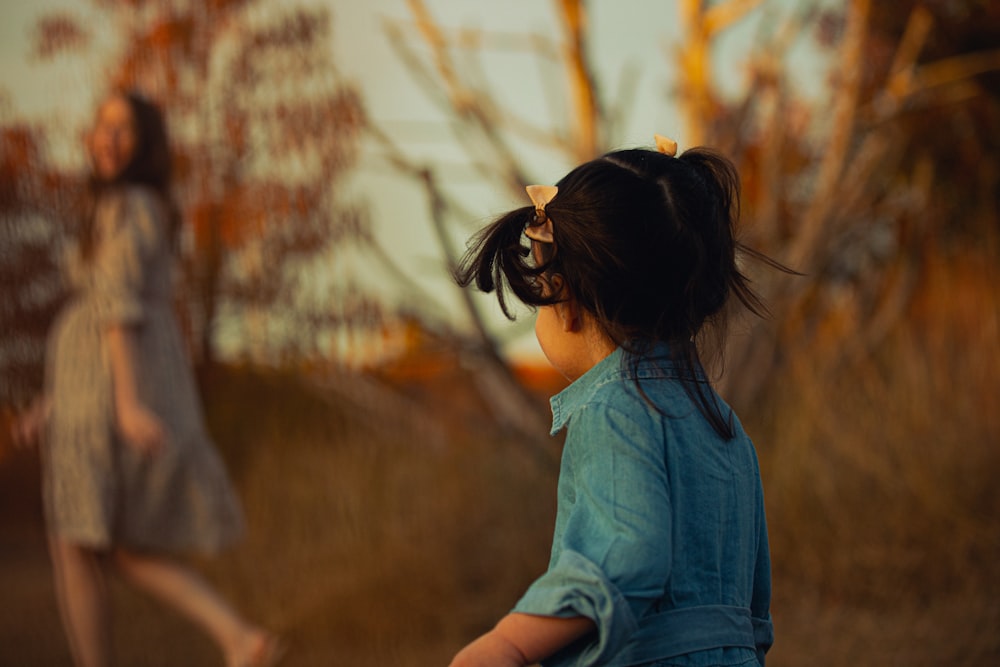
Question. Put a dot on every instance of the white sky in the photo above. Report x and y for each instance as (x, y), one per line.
(639, 34)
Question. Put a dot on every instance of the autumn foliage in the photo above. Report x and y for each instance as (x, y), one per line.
(263, 129)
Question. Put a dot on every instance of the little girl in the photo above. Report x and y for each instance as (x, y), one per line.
(660, 553)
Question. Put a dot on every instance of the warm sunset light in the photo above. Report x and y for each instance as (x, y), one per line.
(327, 172)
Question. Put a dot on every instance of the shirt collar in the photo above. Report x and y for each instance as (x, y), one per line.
(580, 391)
(656, 363)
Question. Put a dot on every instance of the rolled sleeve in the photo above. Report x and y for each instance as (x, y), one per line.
(620, 515)
(763, 636)
(612, 551)
(574, 586)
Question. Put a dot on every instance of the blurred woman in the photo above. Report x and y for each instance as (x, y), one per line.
(130, 475)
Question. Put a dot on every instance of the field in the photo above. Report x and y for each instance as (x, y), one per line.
(389, 526)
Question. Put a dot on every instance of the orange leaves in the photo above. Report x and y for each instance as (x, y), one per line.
(262, 130)
(226, 223)
(20, 151)
(204, 217)
(58, 33)
(18, 155)
(26, 182)
(235, 131)
(292, 31)
(169, 34)
(261, 210)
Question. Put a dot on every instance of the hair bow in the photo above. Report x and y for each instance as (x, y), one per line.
(540, 229)
(665, 145)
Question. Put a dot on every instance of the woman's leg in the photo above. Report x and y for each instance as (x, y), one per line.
(185, 590)
(82, 593)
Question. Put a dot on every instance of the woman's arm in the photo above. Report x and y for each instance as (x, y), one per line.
(27, 427)
(522, 639)
(139, 427)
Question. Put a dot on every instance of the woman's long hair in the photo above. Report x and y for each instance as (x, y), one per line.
(150, 166)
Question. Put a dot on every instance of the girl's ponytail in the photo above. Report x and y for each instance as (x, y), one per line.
(498, 260)
(645, 242)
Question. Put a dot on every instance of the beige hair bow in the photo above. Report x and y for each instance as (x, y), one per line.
(665, 145)
(541, 228)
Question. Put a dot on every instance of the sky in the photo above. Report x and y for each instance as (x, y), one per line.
(625, 34)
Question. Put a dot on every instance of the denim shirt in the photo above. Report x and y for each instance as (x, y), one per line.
(660, 534)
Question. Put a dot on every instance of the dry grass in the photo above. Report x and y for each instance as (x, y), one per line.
(361, 550)
(387, 552)
(881, 486)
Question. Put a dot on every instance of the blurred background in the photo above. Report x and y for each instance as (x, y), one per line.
(387, 430)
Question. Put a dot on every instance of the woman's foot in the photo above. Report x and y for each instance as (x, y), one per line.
(259, 648)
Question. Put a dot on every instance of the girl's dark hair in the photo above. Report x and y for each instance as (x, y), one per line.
(150, 166)
(645, 243)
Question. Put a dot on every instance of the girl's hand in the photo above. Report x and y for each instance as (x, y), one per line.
(490, 650)
(141, 429)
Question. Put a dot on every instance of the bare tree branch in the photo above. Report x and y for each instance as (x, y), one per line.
(583, 87)
(810, 232)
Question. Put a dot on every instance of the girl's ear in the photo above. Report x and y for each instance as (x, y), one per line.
(571, 315)
(568, 309)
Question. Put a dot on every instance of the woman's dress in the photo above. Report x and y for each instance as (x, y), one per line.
(99, 491)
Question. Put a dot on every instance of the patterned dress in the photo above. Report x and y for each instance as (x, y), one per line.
(98, 490)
